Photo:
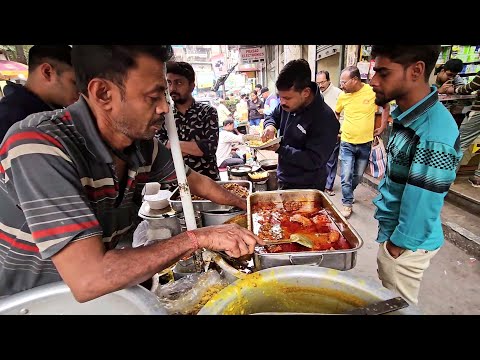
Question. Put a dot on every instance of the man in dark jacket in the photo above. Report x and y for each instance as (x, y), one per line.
(308, 126)
(50, 85)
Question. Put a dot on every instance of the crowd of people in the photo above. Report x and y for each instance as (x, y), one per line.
(87, 131)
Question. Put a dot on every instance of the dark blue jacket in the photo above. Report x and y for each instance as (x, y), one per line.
(17, 106)
(309, 137)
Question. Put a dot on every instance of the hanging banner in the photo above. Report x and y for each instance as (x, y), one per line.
(219, 65)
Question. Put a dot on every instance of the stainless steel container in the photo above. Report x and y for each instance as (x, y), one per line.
(299, 289)
(335, 259)
(57, 299)
(272, 182)
(239, 172)
(268, 164)
(206, 205)
(183, 225)
(218, 217)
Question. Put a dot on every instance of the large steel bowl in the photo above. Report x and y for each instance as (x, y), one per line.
(57, 299)
(299, 289)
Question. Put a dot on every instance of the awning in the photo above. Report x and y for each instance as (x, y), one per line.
(12, 70)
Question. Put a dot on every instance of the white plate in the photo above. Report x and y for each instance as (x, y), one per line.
(145, 212)
(267, 144)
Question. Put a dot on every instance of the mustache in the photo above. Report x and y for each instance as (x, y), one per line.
(159, 121)
(174, 93)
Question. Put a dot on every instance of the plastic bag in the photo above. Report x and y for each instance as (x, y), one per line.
(145, 234)
(378, 158)
(187, 295)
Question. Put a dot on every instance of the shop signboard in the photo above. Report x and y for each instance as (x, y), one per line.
(252, 54)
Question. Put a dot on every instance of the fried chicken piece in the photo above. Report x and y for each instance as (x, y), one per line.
(321, 220)
(301, 220)
(333, 236)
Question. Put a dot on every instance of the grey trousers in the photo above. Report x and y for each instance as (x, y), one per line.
(469, 131)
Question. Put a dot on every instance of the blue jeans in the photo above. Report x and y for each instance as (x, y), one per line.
(354, 158)
(332, 167)
(254, 122)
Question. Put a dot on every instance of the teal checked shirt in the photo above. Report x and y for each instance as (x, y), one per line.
(423, 152)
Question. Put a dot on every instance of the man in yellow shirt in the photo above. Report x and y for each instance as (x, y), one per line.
(357, 131)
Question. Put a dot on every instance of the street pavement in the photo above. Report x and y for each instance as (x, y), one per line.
(451, 285)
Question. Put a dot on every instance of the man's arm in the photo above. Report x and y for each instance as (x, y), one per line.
(232, 138)
(202, 147)
(339, 105)
(384, 124)
(205, 187)
(470, 87)
(207, 145)
(271, 124)
(90, 271)
(431, 174)
(190, 148)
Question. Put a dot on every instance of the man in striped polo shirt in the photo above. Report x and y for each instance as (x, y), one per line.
(71, 181)
(423, 152)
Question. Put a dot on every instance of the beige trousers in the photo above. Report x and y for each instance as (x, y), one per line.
(403, 274)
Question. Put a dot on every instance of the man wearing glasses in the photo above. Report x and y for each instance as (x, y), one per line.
(330, 95)
(357, 131)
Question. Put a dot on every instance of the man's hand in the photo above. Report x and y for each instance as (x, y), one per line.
(274, 147)
(378, 131)
(394, 250)
(205, 187)
(268, 133)
(446, 88)
(232, 238)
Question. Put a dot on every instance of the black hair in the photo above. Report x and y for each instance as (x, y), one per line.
(353, 71)
(454, 65)
(327, 74)
(295, 73)
(409, 54)
(111, 62)
(227, 122)
(259, 86)
(181, 68)
(58, 56)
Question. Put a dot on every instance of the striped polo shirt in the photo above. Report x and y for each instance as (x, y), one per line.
(472, 86)
(58, 185)
(423, 152)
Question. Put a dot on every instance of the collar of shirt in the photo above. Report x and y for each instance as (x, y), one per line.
(101, 151)
(328, 89)
(32, 98)
(178, 114)
(409, 117)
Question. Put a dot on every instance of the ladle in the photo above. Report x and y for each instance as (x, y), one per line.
(294, 238)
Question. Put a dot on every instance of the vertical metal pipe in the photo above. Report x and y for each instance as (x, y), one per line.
(179, 164)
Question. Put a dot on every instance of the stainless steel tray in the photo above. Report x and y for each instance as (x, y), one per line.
(334, 259)
(206, 205)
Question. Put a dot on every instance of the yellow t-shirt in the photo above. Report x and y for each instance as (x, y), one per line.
(358, 115)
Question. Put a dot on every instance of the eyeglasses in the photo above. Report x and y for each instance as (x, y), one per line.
(322, 82)
(345, 82)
